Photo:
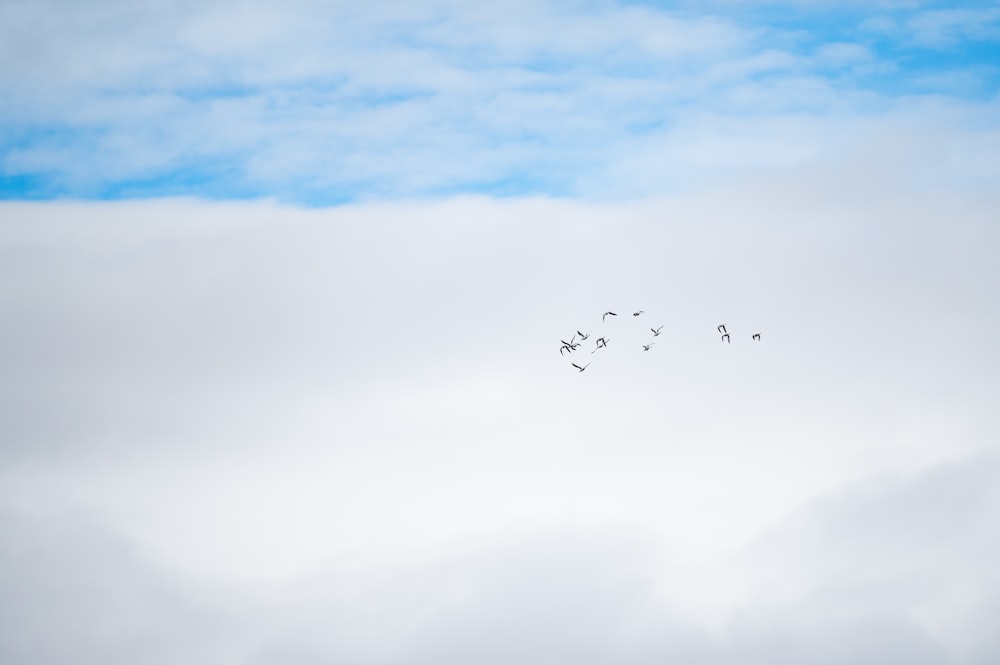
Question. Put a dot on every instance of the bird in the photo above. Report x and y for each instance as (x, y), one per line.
(637, 313)
(570, 342)
(582, 335)
(722, 328)
(756, 336)
(568, 347)
(602, 343)
(656, 331)
(645, 347)
(725, 338)
(580, 368)
(606, 314)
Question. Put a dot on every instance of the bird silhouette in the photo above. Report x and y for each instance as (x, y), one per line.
(756, 336)
(638, 313)
(722, 328)
(580, 368)
(607, 314)
(725, 338)
(645, 347)
(602, 343)
(656, 331)
(582, 335)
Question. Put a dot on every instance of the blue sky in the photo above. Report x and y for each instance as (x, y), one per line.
(321, 104)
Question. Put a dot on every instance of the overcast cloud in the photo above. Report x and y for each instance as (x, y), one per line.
(283, 435)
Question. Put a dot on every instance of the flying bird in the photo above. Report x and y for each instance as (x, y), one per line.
(638, 313)
(656, 331)
(582, 336)
(722, 328)
(580, 368)
(756, 336)
(645, 347)
(568, 347)
(606, 314)
(602, 343)
(570, 342)
(725, 338)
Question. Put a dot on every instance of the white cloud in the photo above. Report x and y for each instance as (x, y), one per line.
(901, 569)
(947, 27)
(318, 102)
(275, 434)
(348, 434)
(363, 367)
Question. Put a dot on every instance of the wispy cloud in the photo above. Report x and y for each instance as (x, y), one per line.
(319, 102)
(951, 27)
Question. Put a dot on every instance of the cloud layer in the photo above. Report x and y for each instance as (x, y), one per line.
(257, 433)
(860, 577)
(273, 434)
(319, 103)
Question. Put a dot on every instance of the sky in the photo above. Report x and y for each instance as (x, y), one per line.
(283, 289)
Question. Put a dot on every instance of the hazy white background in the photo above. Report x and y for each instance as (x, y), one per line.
(256, 432)
(253, 433)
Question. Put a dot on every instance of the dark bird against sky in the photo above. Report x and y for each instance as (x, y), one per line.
(602, 342)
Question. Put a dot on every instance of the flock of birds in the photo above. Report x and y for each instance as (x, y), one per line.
(602, 342)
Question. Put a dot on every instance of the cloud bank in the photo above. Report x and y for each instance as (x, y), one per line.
(255, 433)
(836, 583)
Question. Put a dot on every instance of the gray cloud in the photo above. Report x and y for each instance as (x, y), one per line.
(879, 583)
(140, 323)
(300, 435)
(72, 591)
